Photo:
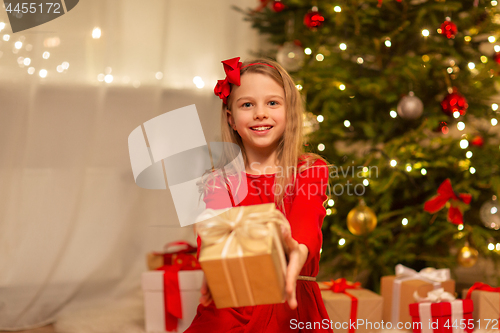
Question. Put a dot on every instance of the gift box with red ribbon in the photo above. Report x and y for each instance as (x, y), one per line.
(397, 290)
(171, 295)
(486, 301)
(351, 308)
(440, 312)
(178, 252)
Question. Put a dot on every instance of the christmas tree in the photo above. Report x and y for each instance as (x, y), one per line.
(400, 100)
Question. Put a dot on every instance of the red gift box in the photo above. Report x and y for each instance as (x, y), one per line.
(443, 317)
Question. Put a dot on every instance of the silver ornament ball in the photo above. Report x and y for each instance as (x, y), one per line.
(290, 56)
(410, 107)
(489, 213)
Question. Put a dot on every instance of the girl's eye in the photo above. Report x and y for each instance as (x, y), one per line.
(275, 103)
(246, 104)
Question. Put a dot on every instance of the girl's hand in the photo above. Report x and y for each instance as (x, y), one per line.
(206, 296)
(297, 257)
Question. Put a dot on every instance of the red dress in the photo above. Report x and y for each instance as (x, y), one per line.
(305, 212)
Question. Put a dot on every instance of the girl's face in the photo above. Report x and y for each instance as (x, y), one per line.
(258, 102)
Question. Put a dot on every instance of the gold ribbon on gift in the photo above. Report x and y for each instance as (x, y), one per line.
(247, 230)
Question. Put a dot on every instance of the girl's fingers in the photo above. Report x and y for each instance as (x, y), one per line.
(291, 279)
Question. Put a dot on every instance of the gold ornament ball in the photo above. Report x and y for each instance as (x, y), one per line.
(361, 220)
(467, 256)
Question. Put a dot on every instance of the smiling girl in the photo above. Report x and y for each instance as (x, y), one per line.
(262, 113)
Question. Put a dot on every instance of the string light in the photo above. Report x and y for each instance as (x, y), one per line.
(65, 65)
(492, 39)
(366, 182)
(198, 82)
(461, 125)
(467, 38)
(342, 87)
(491, 246)
(46, 55)
(27, 61)
(494, 121)
(408, 167)
(337, 9)
(360, 60)
(307, 51)
(18, 45)
(328, 211)
(423, 171)
(299, 87)
(449, 70)
(100, 77)
(404, 221)
(321, 147)
(471, 65)
(494, 106)
(320, 118)
(331, 202)
(460, 227)
(472, 170)
(393, 163)
(2, 26)
(31, 70)
(494, 3)
(96, 33)
(341, 241)
(496, 48)
(343, 46)
(59, 68)
(320, 57)
(393, 114)
(6, 37)
(108, 78)
(159, 75)
(42, 73)
(468, 154)
(484, 59)
(388, 43)
(347, 123)
(498, 247)
(464, 143)
(456, 114)
(425, 33)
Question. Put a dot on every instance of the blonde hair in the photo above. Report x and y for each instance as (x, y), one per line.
(290, 150)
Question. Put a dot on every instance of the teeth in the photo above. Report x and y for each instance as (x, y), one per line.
(261, 128)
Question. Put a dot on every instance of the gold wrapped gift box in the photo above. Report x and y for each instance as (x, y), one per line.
(486, 308)
(242, 255)
(338, 305)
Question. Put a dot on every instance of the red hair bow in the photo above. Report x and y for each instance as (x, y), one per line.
(445, 193)
(232, 68)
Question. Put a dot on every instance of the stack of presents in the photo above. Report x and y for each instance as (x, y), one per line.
(243, 259)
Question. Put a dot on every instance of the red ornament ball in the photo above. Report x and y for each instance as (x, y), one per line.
(313, 19)
(449, 29)
(278, 6)
(454, 102)
(496, 57)
(478, 141)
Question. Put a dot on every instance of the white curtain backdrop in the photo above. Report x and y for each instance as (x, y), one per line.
(74, 227)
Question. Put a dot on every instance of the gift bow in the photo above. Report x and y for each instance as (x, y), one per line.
(232, 68)
(429, 273)
(445, 193)
(245, 227)
(341, 285)
(435, 296)
(483, 287)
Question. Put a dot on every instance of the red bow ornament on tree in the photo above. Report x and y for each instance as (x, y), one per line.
(445, 194)
(232, 68)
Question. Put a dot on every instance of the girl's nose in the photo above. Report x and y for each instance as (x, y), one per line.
(260, 112)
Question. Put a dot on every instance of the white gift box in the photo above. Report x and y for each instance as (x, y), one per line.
(154, 306)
